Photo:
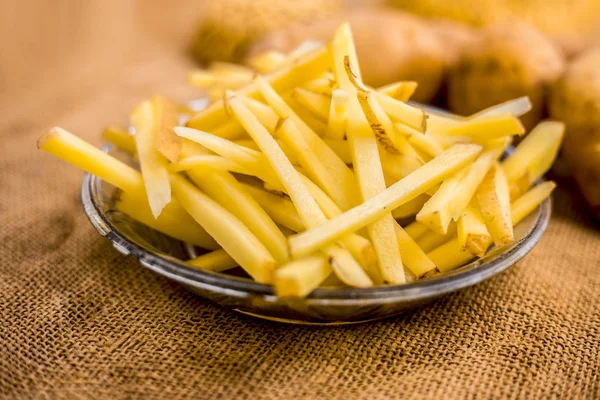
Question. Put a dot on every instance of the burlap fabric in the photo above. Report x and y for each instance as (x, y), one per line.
(79, 320)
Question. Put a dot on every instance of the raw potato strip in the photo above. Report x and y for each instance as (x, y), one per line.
(300, 277)
(431, 240)
(167, 117)
(120, 138)
(76, 151)
(413, 257)
(401, 91)
(263, 112)
(416, 229)
(342, 262)
(449, 256)
(215, 162)
(268, 61)
(534, 156)
(280, 208)
(338, 113)
(302, 70)
(317, 104)
(517, 107)
(152, 163)
(222, 187)
(346, 193)
(485, 128)
(323, 85)
(524, 205)
(362, 135)
(402, 112)
(398, 166)
(341, 148)
(233, 236)
(229, 130)
(215, 261)
(410, 208)
(473, 235)
(494, 200)
(426, 177)
(425, 144)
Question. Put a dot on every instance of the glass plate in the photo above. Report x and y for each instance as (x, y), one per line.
(162, 255)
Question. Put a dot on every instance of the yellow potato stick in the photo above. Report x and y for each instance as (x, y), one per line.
(342, 45)
(222, 187)
(519, 186)
(310, 162)
(399, 111)
(263, 112)
(286, 78)
(247, 143)
(267, 62)
(120, 138)
(311, 215)
(431, 240)
(76, 151)
(494, 201)
(446, 141)
(517, 107)
(317, 104)
(338, 170)
(231, 234)
(416, 229)
(322, 85)
(223, 68)
(338, 113)
(210, 79)
(536, 153)
(341, 148)
(485, 128)
(398, 166)
(449, 256)
(173, 221)
(152, 163)
(435, 213)
(413, 257)
(300, 277)
(418, 182)
(203, 161)
(229, 130)
(410, 208)
(280, 208)
(215, 261)
(473, 235)
(402, 90)
(316, 125)
(166, 114)
(524, 205)
(424, 143)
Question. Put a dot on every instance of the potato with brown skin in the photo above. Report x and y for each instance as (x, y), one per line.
(506, 62)
(575, 100)
(228, 27)
(391, 46)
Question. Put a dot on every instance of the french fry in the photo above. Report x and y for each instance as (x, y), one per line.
(416, 229)
(317, 104)
(338, 112)
(524, 205)
(517, 107)
(449, 256)
(323, 85)
(430, 240)
(292, 75)
(336, 168)
(120, 138)
(300, 277)
(267, 62)
(400, 111)
(413, 257)
(473, 235)
(341, 148)
(311, 215)
(152, 163)
(534, 156)
(398, 166)
(418, 182)
(263, 112)
(410, 208)
(215, 261)
(485, 128)
(229, 130)
(425, 144)
(203, 161)
(401, 91)
(315, 124)
(166, 118)
(222, 187)
(280, 208)
(233, 236)
(494, 201)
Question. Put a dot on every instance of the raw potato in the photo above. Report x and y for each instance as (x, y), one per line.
(508, 61)
(405, 48)
(576, 102)
(227, 27)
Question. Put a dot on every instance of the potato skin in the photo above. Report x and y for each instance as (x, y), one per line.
(575, 100)
(391, 46)
(507, 61)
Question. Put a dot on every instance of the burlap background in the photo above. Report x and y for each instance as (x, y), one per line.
(79, 320)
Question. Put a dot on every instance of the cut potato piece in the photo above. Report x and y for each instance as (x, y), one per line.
(418, 182)
(524, 205)
(485, 128)
(517, 107)
(338, 113)
(396, 166)
(473, 235)
(286, 78)
(268, 61)
(300, 277)
(402, 90)
(280, 208)
(152, 163)
(263, 112)
(231, 234)
(166, 114)
(430, 240)
(449, 256)
(400, 111)
(203, 161)
(416, 229)
(425, 144)
(494, 201)
(317, 104)
(323, 85)
(411, 208)
(229, 130)
(120, 138)
(341, 148)
(413, 257)
(222, 187)
(215, 261)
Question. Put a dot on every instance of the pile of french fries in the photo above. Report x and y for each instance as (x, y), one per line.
(304, 176)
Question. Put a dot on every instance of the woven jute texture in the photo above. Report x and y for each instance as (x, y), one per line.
(79, 320)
